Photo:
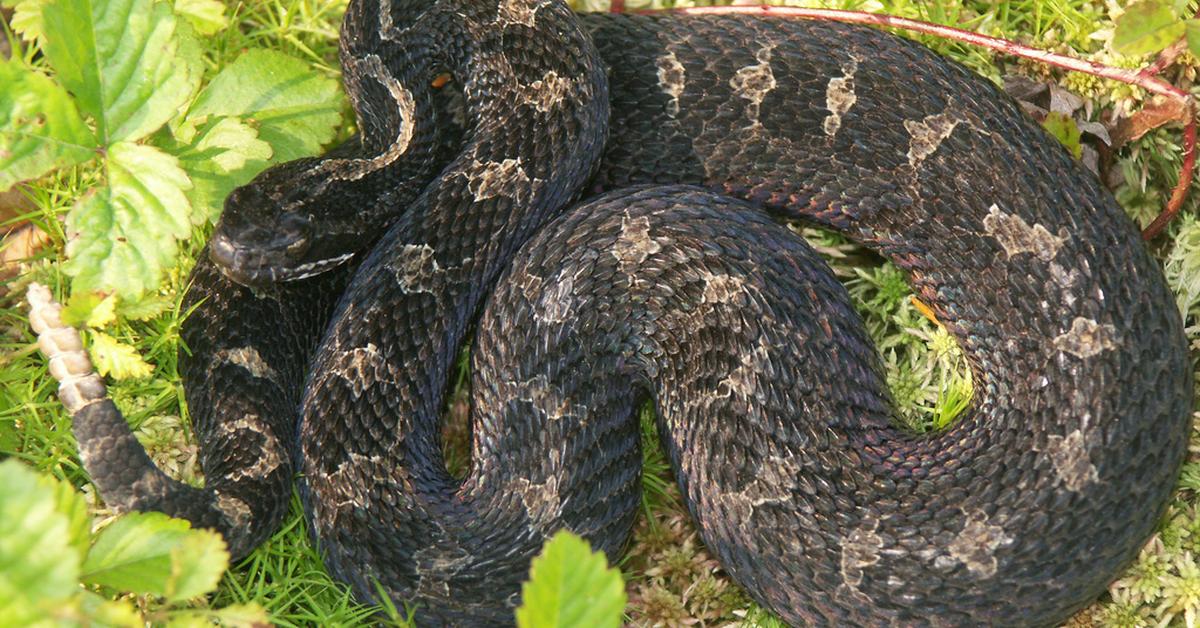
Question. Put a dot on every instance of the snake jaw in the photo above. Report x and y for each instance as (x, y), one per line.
(233, 262)
(253, 265)
(256, 256)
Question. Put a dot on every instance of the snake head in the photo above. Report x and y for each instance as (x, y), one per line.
(305, 217)
(293, 221)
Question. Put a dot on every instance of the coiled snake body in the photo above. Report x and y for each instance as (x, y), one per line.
(772, 408)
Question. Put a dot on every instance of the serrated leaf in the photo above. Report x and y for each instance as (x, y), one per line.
(151, 553)
(206, 16)
(40, 129)
(89, 309)
(1146, 27)
(222, 155)
(123, 61)
(196, 565)
(1064, 129)
(145, 308)
(41, 526)
(27, 18)
(122, 237)
(570, 585)
(295, 110)
(121, 361)
(232, 143)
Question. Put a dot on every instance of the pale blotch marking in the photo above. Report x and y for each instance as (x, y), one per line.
(1086, 338)
(354, 169)
(249, 359)
(928, 135)
(416, 268)
(543, 397)
(743, 380)
(860, 549)
(355, 478)
(541, 501)
(498, 178)
(722, 288)
(1064, 282)
(546, 93)
(671, 77)
(361, 368)
(754, 82)
(840, 97)
(236, 511)
(635, 245)
(773, 484)
(518, 12)
(975, 547)
(269, 457)
(436, 565)
(1016, 236)
(387, 28)
(1069, 455)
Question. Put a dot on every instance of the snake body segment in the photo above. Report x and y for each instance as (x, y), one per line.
(672, 285)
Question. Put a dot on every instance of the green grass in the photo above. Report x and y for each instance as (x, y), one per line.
(671, 577)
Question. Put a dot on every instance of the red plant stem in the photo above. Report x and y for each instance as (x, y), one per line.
(1179, 194)
(1164, 59)
(1146, 79)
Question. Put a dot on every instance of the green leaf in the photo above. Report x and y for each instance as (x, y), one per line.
(89, 309)
(221, 155)
(236, 616)
(1193, 36)
(44, 528)
(106, 613)
(295, 110)
(145, 308)
(243, 616)
(40, 129)
(1063, 127)
(123, 61)
(27, 18)
(122, 237)
(206, 16)
(151, 553)
(119, 360)
(1146, 27)
(70, 503)
(570, 585)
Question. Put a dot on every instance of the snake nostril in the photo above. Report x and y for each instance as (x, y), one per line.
(222, 251)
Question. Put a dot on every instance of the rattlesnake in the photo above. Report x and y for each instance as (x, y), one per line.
(479, 124)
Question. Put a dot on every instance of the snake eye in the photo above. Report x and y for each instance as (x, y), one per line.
(441, 80)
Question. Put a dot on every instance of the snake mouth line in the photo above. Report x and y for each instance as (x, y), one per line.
(256, 268)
